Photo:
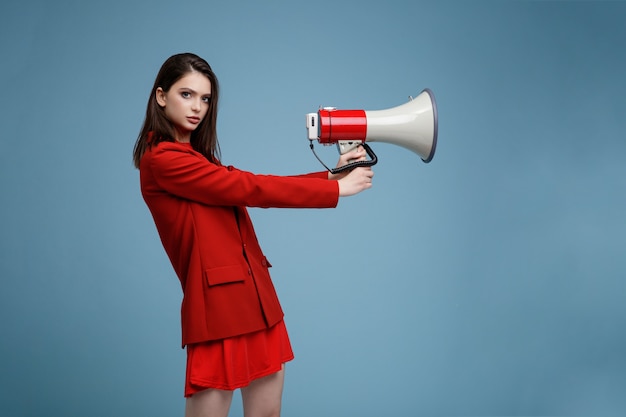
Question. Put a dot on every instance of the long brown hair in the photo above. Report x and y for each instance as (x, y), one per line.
(157, 128)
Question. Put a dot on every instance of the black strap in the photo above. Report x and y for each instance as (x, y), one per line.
(372, 161)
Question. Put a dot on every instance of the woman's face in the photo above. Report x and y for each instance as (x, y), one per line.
(186, 103)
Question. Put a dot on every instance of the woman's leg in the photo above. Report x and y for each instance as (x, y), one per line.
(263, 397)
(209, 403)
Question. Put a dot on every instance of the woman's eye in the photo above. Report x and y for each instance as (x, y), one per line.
(185, 94)
(206, 99)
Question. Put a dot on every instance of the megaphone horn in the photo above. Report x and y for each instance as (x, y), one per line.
(412, 125)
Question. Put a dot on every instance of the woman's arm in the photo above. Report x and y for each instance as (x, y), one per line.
(350, 182)
(187, 174)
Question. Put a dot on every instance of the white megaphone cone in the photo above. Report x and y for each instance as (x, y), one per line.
(412, 125)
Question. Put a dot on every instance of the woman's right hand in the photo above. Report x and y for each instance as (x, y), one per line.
(355, 181)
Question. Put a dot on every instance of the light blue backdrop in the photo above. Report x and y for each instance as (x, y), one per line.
(488, 282)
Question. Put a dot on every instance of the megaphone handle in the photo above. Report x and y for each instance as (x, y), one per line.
(372, 161)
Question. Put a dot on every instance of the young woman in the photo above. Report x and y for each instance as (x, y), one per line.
(232, 322)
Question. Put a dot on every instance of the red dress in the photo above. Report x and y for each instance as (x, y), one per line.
(235, 362)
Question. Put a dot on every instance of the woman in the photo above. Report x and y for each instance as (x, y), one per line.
(232, 322)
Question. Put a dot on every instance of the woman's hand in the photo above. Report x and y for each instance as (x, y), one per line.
(357, 154)
(355, 181)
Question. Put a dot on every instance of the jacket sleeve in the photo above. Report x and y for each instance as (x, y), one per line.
(321, 175)
(188, 174)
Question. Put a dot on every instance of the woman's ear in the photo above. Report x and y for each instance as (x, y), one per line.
(160, 97)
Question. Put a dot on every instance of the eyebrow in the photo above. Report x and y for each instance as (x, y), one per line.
(194, 91)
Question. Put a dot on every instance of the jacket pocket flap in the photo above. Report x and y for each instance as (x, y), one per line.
(225, 274)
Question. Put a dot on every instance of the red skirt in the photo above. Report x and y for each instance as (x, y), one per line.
(234, 362)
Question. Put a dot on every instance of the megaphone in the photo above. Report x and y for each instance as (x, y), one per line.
(412, 125)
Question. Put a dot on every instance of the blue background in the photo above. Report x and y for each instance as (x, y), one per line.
(488, 282)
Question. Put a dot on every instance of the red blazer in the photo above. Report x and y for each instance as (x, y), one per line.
(199, 211)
